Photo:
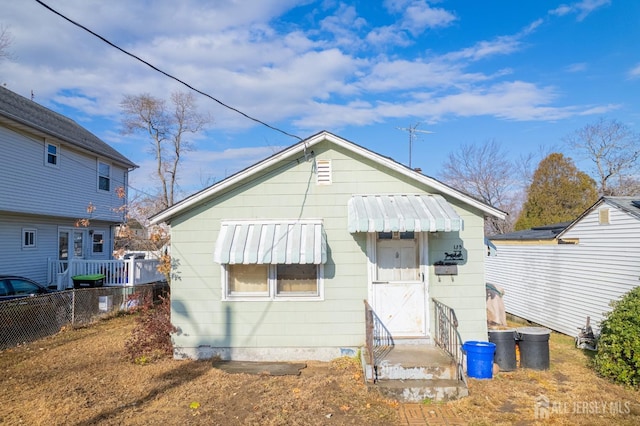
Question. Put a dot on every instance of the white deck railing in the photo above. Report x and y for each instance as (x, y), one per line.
(127, 272)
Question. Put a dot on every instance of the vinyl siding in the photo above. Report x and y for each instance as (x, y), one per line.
(289, 191)
(29, 186)
(32, 262)
(558, 286)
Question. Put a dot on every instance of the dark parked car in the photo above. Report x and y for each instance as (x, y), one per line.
(14, 287)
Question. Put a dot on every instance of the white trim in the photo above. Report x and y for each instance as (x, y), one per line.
(99, 175)
(92, 234)
(46, 154)
(270, 294)
(304, 149)
(34, 231)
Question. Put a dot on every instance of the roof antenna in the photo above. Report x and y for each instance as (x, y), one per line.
(412, 136)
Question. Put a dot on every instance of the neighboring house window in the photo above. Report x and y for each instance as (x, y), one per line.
(603, 216)
(323, 172)
(273, 281)
(51, 153)
(104, 176)
(397, 257)
(28, 238)
(98, 242)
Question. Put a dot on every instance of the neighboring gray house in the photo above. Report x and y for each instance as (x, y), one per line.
(275, 261)
(557, 275)
(54, 172)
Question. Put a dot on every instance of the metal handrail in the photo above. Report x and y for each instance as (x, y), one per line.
(447, 336)
(379, 340)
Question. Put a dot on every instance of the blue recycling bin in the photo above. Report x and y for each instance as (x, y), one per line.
(479, 359)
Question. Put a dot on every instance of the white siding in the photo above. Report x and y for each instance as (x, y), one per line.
(558, 286)
(32, 262)
(27, 185)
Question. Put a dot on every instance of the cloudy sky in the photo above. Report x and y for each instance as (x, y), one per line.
(525, 73)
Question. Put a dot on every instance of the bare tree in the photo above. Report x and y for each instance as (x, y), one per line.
(6, 40)
(166, 126)
(612, 147)
(485, 172)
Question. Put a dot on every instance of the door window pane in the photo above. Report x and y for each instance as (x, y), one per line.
(77, 244)
(397, 260)
(63, 246)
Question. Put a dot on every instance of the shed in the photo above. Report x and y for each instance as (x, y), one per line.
(559, 275)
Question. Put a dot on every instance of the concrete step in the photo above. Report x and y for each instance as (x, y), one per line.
(414, 373)
(416, 362)
(421, 390)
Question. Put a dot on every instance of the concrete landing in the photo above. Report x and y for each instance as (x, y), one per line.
(416, 373)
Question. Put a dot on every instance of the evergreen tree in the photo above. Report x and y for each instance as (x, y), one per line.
(559, 192)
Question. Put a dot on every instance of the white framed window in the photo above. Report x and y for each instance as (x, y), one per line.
(29, 237)
(273, 282)
(51, 154)
(97, 240)
(104, 176)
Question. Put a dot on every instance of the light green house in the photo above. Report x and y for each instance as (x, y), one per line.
(274, 262)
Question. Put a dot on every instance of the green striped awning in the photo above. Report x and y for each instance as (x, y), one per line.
(400, 213)
(271, 242)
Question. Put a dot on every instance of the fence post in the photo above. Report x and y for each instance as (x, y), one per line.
(73, 308)
(130, 270)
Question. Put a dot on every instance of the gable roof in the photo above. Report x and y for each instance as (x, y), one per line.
(301, 148)
(630, 205)
(28, 115)
(537, 233)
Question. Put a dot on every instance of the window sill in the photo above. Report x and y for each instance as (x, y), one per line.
(273, 299)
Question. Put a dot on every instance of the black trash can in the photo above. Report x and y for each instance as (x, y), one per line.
(534, 347)
(505, 355)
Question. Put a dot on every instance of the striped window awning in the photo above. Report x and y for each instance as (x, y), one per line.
(271, 242)
(388, 213)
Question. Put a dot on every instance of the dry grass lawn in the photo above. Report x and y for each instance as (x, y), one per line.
(574, 393)
(82, 377)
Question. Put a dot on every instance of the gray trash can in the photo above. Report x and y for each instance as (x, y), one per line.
(534, 347)
(505, 341)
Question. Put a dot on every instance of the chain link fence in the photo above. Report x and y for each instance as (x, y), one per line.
(31, 318)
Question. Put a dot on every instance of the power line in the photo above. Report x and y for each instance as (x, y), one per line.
(166, 73)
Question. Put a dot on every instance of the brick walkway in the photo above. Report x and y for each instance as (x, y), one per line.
(427, 414)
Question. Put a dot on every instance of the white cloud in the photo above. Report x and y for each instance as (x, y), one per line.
(201, 168)
(582, 9)
(577, 67)
(329, 70)
(419, 16)
(388, 36)
(634, 72)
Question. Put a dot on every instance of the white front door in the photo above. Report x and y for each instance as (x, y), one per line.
(399, 292)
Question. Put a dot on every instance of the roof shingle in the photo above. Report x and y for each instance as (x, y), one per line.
(29, 113)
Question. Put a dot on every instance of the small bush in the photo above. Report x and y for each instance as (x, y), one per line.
(618, 356)
(151, 336)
